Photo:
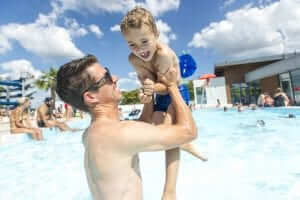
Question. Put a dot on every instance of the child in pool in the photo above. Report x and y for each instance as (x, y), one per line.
(151, 58)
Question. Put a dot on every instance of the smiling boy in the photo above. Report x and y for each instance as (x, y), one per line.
(151, 58)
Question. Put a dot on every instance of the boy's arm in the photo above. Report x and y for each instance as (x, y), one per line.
(164, 62)
(146, 79)
(138, 137)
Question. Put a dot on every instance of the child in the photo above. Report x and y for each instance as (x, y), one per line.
(150, 59)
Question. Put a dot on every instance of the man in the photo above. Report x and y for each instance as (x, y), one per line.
(19, 125)
(45, 117)
(112, 146)
(280, 98)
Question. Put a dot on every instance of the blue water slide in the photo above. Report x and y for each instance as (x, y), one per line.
(7, 103)
(11, 96)
(11, 83)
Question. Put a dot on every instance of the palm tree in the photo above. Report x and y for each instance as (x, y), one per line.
(48, 81)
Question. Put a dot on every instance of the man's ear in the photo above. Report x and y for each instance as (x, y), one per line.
(90, 98)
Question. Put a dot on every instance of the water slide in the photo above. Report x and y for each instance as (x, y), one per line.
(15, 90)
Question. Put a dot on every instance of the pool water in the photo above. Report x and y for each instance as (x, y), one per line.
(246, 161)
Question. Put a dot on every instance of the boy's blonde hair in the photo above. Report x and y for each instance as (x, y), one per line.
(136, 18)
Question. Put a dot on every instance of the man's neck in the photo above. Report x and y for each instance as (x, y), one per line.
(105, 111)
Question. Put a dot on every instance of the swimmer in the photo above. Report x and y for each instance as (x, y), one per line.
(291, 116)
(260, 123)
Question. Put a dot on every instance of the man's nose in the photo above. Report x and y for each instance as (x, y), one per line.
(115, 78)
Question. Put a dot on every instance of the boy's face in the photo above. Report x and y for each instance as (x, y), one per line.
(142, 42)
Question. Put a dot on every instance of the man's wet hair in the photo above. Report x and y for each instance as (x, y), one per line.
(73, 79)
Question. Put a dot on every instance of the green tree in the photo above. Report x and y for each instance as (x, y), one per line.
(48, 82)
(190, 86)
(130, 97)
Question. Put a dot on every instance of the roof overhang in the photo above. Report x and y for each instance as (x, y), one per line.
(288, 64)
(253, 60)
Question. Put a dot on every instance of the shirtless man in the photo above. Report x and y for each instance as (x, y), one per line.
(45, 118)
(18, 124)
(112, 146)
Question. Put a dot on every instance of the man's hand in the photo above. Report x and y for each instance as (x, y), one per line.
(169, 78)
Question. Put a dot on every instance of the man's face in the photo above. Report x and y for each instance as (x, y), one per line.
(109, 92)
(49, 103)
(142, 42)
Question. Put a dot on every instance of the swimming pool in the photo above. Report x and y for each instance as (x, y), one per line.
(245, 161)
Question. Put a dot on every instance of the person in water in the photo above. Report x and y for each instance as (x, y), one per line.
(45, 117)
(19, 125)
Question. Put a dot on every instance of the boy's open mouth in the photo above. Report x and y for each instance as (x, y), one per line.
(145, 55)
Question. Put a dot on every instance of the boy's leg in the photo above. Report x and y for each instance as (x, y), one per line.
(172, 156)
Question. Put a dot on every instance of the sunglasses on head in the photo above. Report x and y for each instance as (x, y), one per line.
(98, 84)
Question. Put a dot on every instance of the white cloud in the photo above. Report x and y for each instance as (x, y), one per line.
(96, 30)
(157, 7)
(74, 28)
(132, 75)
(253, 31)
(166, 33)
(115, 28)
(4, 44)
(43, 37)
(15, 68)
(130, 83)
(228, 2)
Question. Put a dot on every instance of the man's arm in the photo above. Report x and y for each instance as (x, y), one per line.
(147, 112)
(138, 136)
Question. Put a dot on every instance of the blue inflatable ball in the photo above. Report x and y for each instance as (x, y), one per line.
(187, 65)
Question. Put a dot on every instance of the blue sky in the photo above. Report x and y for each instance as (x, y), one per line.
(37, 34)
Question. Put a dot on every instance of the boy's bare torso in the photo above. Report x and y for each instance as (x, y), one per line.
(161, 61)
(112, 172)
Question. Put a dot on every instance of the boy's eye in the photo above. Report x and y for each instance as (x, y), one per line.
(145, 41)
(132, 45)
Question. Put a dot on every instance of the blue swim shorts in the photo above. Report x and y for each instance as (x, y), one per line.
(162, 102)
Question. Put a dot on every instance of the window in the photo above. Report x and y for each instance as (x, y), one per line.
(201, 95)
(296, 85)
(245, 93)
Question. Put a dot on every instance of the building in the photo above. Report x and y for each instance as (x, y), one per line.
(208, 94)
(244, 80)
